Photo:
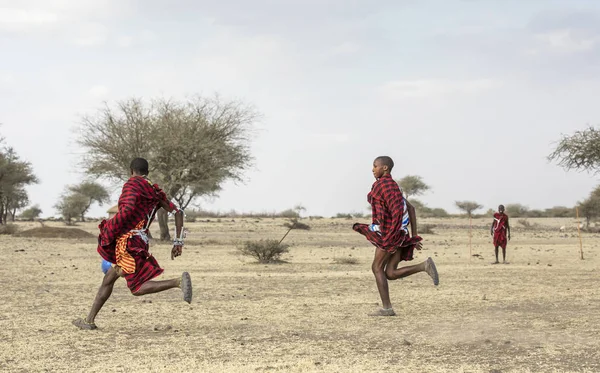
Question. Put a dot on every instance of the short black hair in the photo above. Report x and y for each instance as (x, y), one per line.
(140, 166)
(386, 161)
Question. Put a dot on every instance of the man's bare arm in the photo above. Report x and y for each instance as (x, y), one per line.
(178, 240)
(412, 216)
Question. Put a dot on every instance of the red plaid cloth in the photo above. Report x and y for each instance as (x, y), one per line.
(387, 210)
(138, 204)
(499, 227)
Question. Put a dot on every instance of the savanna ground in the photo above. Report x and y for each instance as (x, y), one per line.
(540, 313)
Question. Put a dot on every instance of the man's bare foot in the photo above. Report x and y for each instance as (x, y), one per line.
(185, 283)
(84, 325)
(432, 271)
(496, 262)
(505, 262)
(384, 312)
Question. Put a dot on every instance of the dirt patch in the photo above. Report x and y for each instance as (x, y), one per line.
(55, 232)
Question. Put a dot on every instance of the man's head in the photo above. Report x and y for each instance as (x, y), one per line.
(501, 208)
(382, 165)
(139, 167)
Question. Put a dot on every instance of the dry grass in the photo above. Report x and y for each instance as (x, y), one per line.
(537, 314)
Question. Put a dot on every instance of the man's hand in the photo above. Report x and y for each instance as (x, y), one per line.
(176, 251)
(419, 245)
(509, 236)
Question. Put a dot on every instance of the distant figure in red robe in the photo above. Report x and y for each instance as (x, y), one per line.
(123, 241)
(501, 232)
(391, 215)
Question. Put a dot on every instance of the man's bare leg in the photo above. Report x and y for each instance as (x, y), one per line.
(392, 271)
(104, 292)
(152, 287)
(496, 250)
(184, 282)
(504, 255)
(378, 267)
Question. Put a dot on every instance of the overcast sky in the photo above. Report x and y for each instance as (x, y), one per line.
(471, 95)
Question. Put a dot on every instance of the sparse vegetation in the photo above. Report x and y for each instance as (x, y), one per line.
(526, 224)
(468, 207)
(265, 251)
(31, 213)
(8, 229)
(516, 210)
(426, 228)
(296, 224)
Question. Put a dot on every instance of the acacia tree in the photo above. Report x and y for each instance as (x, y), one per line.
(579, 151)
(31, 213)
(413, 185)
(71, 206)
(590, 207)
(468, 207)
(94, 192)
(192, 146)
(17, 200)
(15, 174)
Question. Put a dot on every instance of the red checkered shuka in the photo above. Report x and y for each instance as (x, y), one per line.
(387, 210)
(499, 227)
(138, 204)
(139, 199)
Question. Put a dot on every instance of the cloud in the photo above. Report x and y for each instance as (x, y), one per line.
(98, 91)
(124, 41)
(90, 34)
(16, 19)
(6, 78)
(346, 47)
(426, 88)
(566, 41)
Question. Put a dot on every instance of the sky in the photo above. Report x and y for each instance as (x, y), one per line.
(471, 95)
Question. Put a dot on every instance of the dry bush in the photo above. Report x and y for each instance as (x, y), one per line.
(295, 224)
(265, 251)
(343, 216)
(426, 228)
(9, 229)
(526, 224)
(345, 260)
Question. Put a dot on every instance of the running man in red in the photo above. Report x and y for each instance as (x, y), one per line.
(391, 214)
(500, 231)
(123, 241)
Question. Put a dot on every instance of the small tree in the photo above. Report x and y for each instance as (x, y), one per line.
(590, 207)
(93, 192)
(71, 206)
(413, 185)
(16, 200)
(31, 213)
(299, 209)
(15, 174)
(468, 207)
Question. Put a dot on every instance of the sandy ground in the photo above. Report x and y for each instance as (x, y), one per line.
(540, 313)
